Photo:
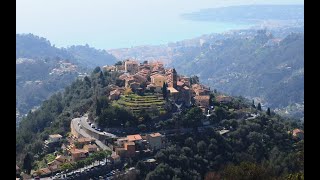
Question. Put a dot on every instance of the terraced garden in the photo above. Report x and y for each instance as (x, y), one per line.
(136, 103)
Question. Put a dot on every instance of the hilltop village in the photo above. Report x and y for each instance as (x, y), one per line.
(151, 77)
(154, 96)
(139, 82)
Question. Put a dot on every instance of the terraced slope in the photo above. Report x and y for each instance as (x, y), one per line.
(136, 103)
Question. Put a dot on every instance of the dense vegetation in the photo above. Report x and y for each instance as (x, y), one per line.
(35, 47)
(31, 46)
(260, 145)
(260, 148)
(91, 57)
(55, 114)
(34, 83)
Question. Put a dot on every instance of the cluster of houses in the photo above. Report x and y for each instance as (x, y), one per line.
(133, 145)
(150, 77)
(65, 67)
(78, 149)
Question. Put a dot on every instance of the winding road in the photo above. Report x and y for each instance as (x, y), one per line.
(80, 123)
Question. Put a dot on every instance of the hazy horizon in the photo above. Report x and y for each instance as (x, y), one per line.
(120, 24)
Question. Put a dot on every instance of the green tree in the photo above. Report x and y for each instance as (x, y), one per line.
(221, 113)
(67, 166)
(143, 168)
(295, 176)
(142, 127)
(268, 111)
(193, 117)
(96, 70)
(164, 90)
(162, 171)
(189, 142)
(102, 79)
(145, 115)
(194, 80)
(253, 105)
(80, 164)
(246, 171)
(259, 107)
(27, 163)
(202, 146)
(211, 100)
(119, 63)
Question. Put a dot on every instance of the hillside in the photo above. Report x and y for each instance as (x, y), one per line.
(265, 65)
(255, 67)
(32, 46)
(42, 69)
(37, 79)
(90, 57)
(238, 135)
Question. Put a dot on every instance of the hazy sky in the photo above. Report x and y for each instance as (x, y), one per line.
(108, 24)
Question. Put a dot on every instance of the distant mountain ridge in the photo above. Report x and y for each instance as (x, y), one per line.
(32, 46)
(249, 13)
(267, 65)
(43, 69)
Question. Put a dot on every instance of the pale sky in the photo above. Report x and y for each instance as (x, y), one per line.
(108, 24)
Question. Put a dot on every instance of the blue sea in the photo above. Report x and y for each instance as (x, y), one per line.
(164, 33)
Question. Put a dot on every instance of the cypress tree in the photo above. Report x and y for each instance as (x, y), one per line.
(268, 112)
(259, 106)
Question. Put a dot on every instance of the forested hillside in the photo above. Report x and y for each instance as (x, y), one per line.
(252, 67)
(262, 145)
(43, 69)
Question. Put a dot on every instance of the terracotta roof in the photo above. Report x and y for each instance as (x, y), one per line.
(123, 76)
(155, 134)
(207, 97)
(128, 78)
(223, 98)
(196, 86)
(78, 151)
(131, 62)
(151, 85)
(129, 143)
(60, 158)
(44, 171)
(172, 90)
(90, 146)
(83, 140)
(296, 131)
(157, 75)
(134, 137)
